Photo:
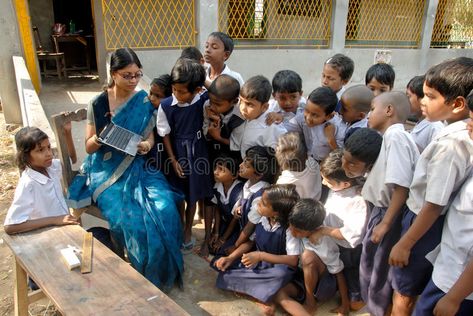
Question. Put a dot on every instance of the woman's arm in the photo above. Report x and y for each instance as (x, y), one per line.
(92, 143)
(145, 146)
(40, 223)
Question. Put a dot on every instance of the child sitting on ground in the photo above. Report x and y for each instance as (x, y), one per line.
(218, 48)
(297, 168)
(39, 199)
(220, 225)
(336, 73)
(424, 130)
(356, 104)
(345, 221)
(180, 122)
(254, 97)
(380, 78)
(322, 128)
(321, 265)
(386, 189)
(287, 94)
(269, 259)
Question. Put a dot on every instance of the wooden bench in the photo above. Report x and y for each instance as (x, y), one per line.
(112, 288)
(61, 124)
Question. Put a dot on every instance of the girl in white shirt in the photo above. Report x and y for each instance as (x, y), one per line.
(38, 200)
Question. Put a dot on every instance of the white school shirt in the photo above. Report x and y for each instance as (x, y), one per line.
(363, 123)
(314, 137)
(346, 209)
(293, 244)
(456, 247)
(223, 118)
(255, 133)
(224, 198)
(395, 165)
(37, 196)
(308, 182)
(274, 107)
(340, 92)
(442, 167)
(424, 131)
(253, 215)
(162, 123)
(327, 250)
(227, 71)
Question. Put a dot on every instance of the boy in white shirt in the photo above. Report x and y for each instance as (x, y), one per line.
(322, 127)
(441, 170)
(345, 221)
(386, 189)
(254, 97)
(287, 94)
(424, 130)
(336, 73)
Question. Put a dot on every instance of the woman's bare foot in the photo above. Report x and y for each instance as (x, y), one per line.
(356, 305)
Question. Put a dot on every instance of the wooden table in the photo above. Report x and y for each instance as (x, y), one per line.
(74, 38)
(113, 286)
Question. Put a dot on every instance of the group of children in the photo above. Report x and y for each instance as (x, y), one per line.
(308, 196)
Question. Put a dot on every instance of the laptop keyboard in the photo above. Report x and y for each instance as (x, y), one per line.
(119, 138)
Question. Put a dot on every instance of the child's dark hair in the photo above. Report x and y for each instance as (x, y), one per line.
(307, 215)
(258, 88)
(165, 83)
(469, 100)
(189, 72)
(122, 58)
(226, 40)
(291, 152)
(383, 73)
(343, 64)
(364, 144)
(262, 159)
(325, 98)
(416, 85)
(26, 140)
(192, 53)
(282, 197)
(331, 167)
(287, 81)
(225, 87)
(452, 78)
(231, 162)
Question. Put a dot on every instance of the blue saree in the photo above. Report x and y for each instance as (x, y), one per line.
(136, 200)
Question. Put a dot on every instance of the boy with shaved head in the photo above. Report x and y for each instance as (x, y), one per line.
(355, 106)
(386, 190)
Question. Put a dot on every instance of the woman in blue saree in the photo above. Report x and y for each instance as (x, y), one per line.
(135, 199)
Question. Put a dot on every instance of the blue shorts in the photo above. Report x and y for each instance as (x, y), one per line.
(429, 298)
(412, 279)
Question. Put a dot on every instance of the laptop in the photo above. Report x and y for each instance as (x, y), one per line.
(120, 138)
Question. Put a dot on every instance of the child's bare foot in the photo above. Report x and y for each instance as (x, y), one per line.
(204, 250)
(356, 305)
(341, 310)
(268, 310)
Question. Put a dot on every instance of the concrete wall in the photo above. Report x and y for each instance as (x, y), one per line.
(10, 46)
(42, 16)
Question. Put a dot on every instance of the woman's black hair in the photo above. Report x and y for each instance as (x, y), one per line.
(189, 72)
(164, 82)
(383, 73)
(307, 215)
(282, 197)
(26, 139)
(263, 160)
(325, 98)
(364, 144)
(120, 59)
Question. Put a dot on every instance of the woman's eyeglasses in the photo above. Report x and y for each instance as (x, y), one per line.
(128, 76)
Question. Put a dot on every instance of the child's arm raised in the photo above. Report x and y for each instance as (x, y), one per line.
(425, 219)
(398, 199)
(175, 164)
(450, 303)
(40, 223)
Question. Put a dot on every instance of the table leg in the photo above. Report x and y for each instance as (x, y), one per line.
(21, 291)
